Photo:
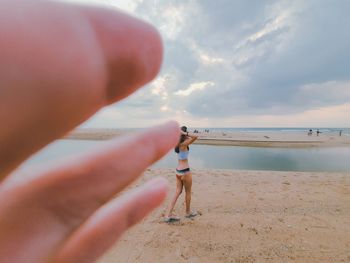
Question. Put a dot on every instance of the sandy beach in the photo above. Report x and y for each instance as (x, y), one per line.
(256, 139)
(247, 216)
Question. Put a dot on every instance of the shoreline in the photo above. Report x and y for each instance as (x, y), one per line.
(247, 139)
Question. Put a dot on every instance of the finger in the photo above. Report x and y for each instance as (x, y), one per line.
(106, 226)
(73, 190)
(54, 204)
(125, 51)
(60, 64)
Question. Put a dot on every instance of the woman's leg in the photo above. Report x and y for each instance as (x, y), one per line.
(187, 182)
(179, 186)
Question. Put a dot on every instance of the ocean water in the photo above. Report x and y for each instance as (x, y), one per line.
(334, 131)
(345, 131)
(334, 159)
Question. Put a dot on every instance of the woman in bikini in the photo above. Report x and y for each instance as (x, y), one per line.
(183, 174)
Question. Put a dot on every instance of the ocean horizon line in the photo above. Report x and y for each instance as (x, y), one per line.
(208, 127)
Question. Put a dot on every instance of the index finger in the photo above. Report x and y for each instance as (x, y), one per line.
(60, 64)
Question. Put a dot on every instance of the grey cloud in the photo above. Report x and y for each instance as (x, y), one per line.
(316, 53)
(179, 57)
(310, 49)
(219, 21)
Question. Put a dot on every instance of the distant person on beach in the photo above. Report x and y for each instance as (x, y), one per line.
(183, 175)
(59, 64)
(310, 132)
(340, 132)
(318, 132)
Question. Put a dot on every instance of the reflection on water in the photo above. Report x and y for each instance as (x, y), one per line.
(226, 157)
(277, 159)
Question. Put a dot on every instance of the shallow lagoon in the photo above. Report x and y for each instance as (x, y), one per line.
(225, 157)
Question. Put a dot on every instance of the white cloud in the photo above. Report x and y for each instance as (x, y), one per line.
(158, 85)
(209, 60)
(164, 108)
(194, 87)
(277, 23)
(173, 21)
(205, 57)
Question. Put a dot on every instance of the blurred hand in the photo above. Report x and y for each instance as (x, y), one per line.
(59, 64)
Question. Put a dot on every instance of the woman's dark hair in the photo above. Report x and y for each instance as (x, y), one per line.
(182, 139)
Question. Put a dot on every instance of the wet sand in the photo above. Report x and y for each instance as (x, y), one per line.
(255, 139)
(247, 216)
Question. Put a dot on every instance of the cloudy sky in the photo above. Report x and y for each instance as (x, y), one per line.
(238, 63)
